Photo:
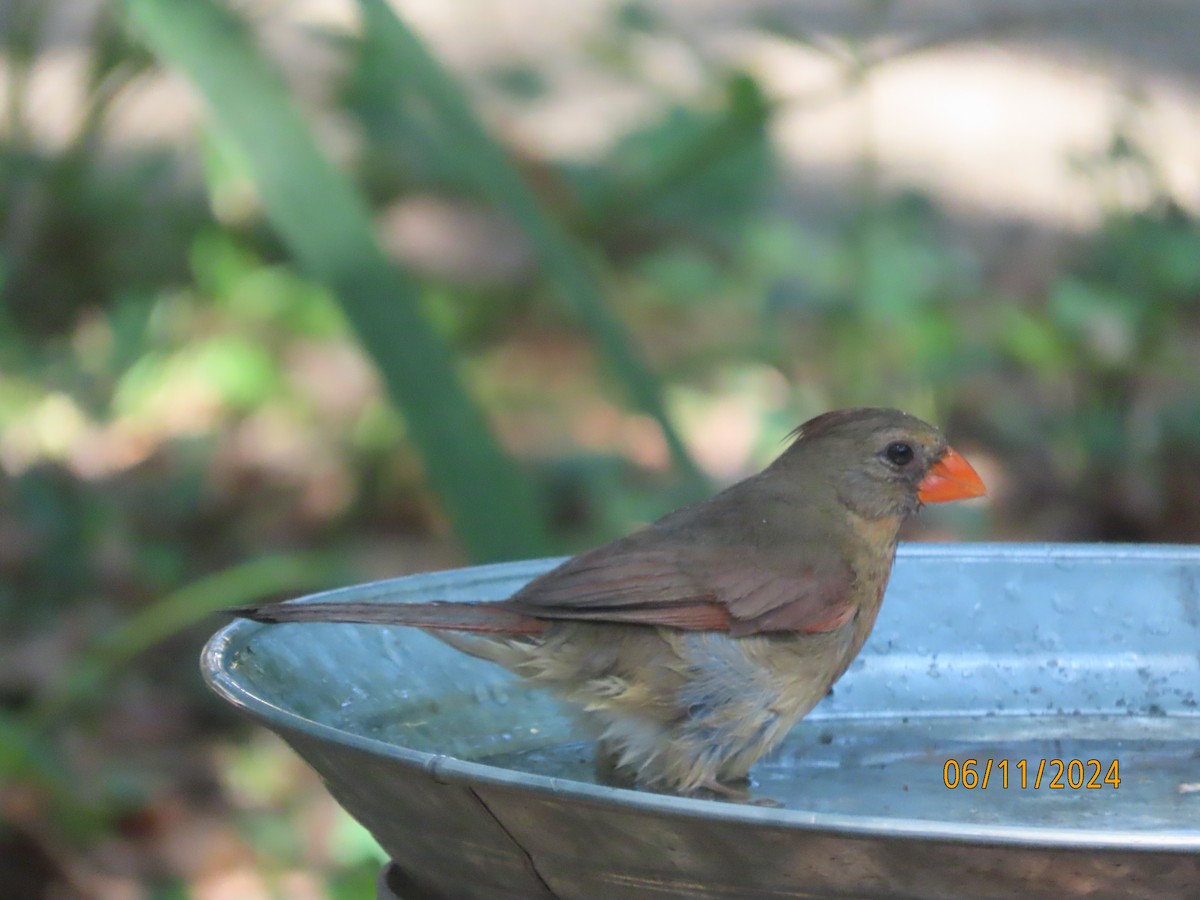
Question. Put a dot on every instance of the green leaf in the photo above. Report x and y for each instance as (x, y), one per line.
(326, 226)
(241, 370)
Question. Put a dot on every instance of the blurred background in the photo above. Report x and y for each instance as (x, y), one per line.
(299, 294)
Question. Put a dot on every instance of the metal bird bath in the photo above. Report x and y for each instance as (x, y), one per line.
(478, 786)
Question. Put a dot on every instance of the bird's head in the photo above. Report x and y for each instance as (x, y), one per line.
(880, 462)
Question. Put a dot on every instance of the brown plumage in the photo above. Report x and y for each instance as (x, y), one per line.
(694, 644)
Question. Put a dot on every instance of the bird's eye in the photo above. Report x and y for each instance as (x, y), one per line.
(898, 453)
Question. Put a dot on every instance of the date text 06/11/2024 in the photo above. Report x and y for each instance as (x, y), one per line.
(1055, 774)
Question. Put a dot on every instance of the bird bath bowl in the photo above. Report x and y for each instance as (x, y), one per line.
(1030, 657)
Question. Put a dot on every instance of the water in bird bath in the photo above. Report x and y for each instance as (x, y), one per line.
(839, 760)
(913, 768)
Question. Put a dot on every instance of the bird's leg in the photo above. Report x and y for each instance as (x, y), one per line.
(725, 791)
(736, 795)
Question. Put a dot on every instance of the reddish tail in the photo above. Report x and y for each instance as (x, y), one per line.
(494, 618)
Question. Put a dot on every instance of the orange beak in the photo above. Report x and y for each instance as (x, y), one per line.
(951, 478)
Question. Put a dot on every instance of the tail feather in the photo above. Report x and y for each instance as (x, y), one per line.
(490, 618)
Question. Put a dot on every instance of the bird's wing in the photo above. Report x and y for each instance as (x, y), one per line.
(682, 587)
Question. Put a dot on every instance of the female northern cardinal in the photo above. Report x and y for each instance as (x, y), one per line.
(697, 642)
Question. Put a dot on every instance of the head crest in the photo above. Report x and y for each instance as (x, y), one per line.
(865, 416)
(822, 423)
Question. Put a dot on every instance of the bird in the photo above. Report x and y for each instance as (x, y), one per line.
(693, 645)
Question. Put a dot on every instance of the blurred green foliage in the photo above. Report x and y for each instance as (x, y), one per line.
(197, 349)
(325, 224)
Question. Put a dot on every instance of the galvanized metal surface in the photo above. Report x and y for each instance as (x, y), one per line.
(478, 786)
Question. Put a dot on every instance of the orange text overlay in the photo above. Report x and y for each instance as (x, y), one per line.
(1022, 774)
